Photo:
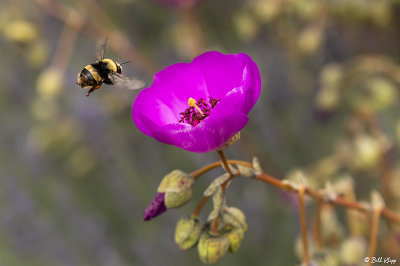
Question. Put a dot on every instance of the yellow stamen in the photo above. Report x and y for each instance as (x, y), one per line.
(192, 103)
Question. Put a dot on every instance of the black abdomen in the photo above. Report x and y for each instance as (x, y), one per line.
(104, 72)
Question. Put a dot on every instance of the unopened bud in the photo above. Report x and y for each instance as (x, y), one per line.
(332, 230)
(21, 32)
(177, 187)
(367, 152)
(235, 237)
(49, 83)
(353, 250)
(234, 217)
(310, 39)
(187, 232)
(211, 248)
(155, 207)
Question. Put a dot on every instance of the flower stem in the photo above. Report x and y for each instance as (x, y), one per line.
(317, 231)
(199, 206)
(303, 224)
(374, 232)
(353, 218)
(196, 174)
(214, 229)
(225, 162)
(387, 213)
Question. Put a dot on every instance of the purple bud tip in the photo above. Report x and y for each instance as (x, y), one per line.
(155, 208)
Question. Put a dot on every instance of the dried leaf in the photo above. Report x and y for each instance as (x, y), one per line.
(215, 184)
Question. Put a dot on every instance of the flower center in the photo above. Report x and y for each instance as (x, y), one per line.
(198, 110)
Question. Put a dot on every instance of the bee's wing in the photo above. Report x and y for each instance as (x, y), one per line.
(101, 49)
(127, 83)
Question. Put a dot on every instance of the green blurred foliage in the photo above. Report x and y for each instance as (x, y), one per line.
(76, 174)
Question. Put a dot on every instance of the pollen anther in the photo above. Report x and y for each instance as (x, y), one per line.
(192, 103)
(197, 110)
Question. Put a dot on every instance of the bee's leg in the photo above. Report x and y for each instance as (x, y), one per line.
(92, 90)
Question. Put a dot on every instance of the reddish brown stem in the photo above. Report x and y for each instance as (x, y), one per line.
(303, 224)
(214, 229)
(225, 162)
(196, 174)
(387, 213)
(374, 232)
(317, 232)
(199, 206)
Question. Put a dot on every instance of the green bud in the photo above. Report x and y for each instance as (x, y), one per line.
(49, 83)
(177, 187)
(234, 217)
(310, 39)
(328, 98)
(235, 237)
(374, 94)
(211, 248)
(21, 32)
(325, 257)
(353, 250)
(187, 232)
(367, 152)
(38, 54)
(332, 230)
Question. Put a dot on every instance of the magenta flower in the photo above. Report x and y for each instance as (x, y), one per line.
(222, 90)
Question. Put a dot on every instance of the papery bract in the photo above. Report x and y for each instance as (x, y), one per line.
(234, 80)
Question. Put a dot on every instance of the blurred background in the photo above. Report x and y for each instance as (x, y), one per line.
(76, 174)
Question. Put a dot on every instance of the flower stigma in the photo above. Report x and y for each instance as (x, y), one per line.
(198, 110)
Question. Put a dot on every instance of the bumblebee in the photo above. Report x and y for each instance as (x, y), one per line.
(104, 70)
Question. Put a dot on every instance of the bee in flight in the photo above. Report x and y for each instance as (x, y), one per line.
(107, 71)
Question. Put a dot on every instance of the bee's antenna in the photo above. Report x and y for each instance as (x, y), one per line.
(125, 62)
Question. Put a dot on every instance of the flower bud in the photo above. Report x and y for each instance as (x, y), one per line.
(332, 231)
(177, 187)
(155, 207)
(235, 237)
(375, 94)
(353, 250)
(367, 152)
(310, 39)
(211, 248)
(49, 83)
(235, 217)
(187, 232)
(21, 32)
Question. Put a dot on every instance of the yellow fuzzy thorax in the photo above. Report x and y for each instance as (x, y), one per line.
(110, 64)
